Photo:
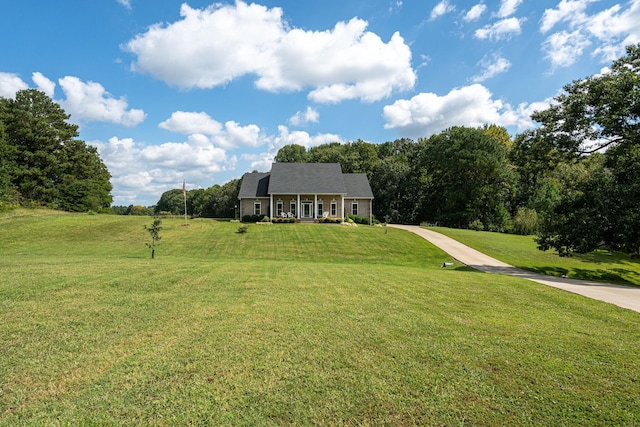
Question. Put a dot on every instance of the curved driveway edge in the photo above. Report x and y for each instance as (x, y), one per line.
(622, 296)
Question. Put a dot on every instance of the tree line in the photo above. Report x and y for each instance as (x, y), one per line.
(574, 180)
(457, 178)
(217, 201)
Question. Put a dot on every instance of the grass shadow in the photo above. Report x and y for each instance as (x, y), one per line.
(616, 276)
(466, 268)
(602, 257)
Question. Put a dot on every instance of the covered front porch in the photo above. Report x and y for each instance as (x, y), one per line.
(306, 207)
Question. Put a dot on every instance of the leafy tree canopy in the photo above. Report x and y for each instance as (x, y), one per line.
(601, 207)
(42, 162)
(292, 153)
(467, 177)
(598, 111)
(214, 202)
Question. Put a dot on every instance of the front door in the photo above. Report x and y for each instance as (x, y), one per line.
(307, 210)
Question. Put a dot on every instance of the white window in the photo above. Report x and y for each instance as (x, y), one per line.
(257, 207)
(334, 208)
(279, 207)
(292, 207)
(320, 208)
(354, 208)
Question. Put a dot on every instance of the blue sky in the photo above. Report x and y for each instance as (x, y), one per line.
(203, 92)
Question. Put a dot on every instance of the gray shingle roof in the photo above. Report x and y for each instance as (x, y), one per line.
(306, 178)
(254, 184)
(357, 185)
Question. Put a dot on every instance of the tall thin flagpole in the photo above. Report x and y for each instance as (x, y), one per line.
(184, 193)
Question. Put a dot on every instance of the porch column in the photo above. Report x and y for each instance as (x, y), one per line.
(298, 208)
(270, 206)
(342, 203)
(315, 206)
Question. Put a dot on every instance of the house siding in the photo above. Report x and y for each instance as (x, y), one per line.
(364, 206)
(246, 206)
(286, 203)
(305, 185)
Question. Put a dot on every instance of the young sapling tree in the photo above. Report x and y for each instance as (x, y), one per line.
(154, 231)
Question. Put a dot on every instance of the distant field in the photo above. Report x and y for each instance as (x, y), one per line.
(291, 324)
(521, 251)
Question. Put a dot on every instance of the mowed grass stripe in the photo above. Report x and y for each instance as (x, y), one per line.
(69, 235)
(188, 339)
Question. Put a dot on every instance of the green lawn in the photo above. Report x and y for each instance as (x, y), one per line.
(292, 324)
(521, 251)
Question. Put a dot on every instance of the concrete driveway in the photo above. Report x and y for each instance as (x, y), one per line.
(622, 296)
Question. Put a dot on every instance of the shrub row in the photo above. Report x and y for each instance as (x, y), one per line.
(278, 220)
(359, 219)
(330, 220)
(251, 218)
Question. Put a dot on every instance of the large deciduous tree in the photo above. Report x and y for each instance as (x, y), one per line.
(467, 179)
(172, 202)
(219, 201)
(394, 198)
(292, 153)
(395, 182)
(598, 113)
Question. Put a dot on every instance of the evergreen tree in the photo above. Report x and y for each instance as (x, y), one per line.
(42, 162)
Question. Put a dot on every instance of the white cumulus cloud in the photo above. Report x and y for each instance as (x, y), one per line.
(209, 47)
(428, 113)
(120, 155)
(11, 83)
(229, 135)
(187, 122)
(236, 135)
(263, 161)
(287, 137)
(44, 84)
(142, 172)
(212, 46)
(91, 102)
(197, 153)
